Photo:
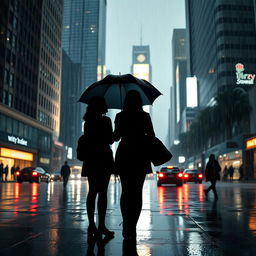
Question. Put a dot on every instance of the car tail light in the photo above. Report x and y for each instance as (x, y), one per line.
(185, 175)
(180, 175)
(161, 175)
(200, 176)
(34, 173)
(17, 173)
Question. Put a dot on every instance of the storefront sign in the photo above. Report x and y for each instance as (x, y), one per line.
(10, 153)
(17, 140)
(251, 143)
(241, 77)
(58, 143)
(44, 160)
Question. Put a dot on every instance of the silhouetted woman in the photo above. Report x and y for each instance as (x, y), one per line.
(99, 164)
(212, 174)
(131, 126)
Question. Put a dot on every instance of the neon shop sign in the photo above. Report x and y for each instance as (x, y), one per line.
(241, 77)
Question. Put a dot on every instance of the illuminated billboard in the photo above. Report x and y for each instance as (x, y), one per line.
(17, 154)
(242, 77)
(191, 92)
(141, 71)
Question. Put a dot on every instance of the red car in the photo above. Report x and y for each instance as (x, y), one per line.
(192, 175)
(32, 174)
(169, 175)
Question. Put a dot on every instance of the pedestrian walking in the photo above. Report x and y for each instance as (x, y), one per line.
(6, 172)
(132, 163)
(13, 172)
(98, 133)
(212, 174)
(241, 172)
(225, 173)
(231, 172)
(65, 173)
(1, 171)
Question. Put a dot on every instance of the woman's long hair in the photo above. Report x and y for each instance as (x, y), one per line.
(132, 101)
(96, 108)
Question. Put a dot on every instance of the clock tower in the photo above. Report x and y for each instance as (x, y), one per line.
(141, 67)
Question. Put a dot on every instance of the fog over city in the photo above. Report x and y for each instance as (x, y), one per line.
(151, 21)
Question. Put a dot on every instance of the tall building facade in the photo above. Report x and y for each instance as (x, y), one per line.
(30, 56)
(83, 42)
(222, 38)
(70, 122)
(84, 37)
(178, 88)
(222, 49)
(141, 66)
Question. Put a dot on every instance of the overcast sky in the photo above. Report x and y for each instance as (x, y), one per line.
(157, 18)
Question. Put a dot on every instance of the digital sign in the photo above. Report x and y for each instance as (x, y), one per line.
(241, 77)
(141, 71)
(251, 143)
(17, 154)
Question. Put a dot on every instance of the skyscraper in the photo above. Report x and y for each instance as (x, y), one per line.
(30, 52)
(222, 45)
(141, 67)
(178, 89)
(84, 37)
(83, 42)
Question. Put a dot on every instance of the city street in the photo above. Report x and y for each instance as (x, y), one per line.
(43, 219)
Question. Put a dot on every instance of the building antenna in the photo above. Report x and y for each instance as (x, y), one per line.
(140, 34)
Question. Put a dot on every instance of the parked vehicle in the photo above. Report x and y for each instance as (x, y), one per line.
(169, 175)
(56, 176)
(32, 174)
(192, 175)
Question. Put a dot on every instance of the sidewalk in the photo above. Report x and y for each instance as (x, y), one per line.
(44, 220)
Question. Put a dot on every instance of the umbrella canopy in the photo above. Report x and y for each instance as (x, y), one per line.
(114, 88)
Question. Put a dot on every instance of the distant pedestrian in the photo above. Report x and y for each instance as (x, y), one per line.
(1, 171)
(13, 172)
(212, 174)
(241, 172)
(225, 173)
(6, 172)
(65, 173)
(231, 172)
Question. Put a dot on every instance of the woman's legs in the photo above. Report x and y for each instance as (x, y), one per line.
(103, 201)
(131, 202)
(90, 202)
(97, 186)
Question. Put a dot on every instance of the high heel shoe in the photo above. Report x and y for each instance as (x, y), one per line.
(106, 232)
(92, 231)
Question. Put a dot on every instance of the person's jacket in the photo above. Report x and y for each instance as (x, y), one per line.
(212, 171)
(65, 170)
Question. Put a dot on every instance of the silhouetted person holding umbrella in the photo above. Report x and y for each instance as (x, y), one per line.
(212, 174)
(99, 163)
(132, 163)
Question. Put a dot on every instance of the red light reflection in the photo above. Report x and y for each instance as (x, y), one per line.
(162, 204)
(16, 192)
(182, 198)
(34, 199)
(201, 193)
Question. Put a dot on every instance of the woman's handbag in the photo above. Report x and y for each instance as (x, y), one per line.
(158, 153)
(82, 148)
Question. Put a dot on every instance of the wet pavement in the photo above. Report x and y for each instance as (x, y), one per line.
(43, 219)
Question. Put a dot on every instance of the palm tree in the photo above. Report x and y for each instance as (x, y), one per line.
(232, 107)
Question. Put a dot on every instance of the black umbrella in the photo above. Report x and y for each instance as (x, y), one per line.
(114, 88)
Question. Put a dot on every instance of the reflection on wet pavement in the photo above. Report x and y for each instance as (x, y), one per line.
(43, 219)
